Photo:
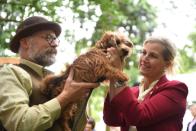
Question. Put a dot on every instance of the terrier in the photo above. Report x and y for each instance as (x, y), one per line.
(93, 66)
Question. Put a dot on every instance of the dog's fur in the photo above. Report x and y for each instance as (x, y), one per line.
(92, 66)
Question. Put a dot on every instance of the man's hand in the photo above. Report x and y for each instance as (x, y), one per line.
(74, 91)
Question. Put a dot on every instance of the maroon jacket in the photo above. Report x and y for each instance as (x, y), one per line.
(161, 110)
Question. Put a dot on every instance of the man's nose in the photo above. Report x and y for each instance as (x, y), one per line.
(54, 43)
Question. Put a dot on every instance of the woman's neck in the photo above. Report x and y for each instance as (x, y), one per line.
(147, 81)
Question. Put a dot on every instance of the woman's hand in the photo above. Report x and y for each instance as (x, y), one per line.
(114, 57)
(74, 91)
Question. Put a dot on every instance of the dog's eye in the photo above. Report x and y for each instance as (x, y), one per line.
(128, 43)
(117, 41)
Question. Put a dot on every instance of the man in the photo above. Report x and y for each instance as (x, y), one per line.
(192, 124)
(22, 106)
(90, 125)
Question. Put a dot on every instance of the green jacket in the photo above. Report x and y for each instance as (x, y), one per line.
(22, 106)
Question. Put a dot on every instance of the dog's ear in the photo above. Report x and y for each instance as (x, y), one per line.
(112, 41)
(107, 40)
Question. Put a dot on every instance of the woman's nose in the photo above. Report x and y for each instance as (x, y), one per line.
(145, 57)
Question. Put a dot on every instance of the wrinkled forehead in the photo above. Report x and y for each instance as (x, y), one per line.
(153, 44)
(153, 47)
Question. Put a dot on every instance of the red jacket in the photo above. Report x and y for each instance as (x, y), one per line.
(161, 110)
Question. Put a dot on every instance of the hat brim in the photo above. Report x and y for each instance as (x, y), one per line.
(14, 44)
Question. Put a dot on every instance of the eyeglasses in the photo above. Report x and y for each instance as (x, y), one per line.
(52, 40)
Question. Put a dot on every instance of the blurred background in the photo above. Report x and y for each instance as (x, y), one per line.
(84, 21)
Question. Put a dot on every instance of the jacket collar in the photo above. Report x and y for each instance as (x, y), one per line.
(162, 80)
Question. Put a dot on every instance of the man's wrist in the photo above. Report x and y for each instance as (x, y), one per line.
(63, 100)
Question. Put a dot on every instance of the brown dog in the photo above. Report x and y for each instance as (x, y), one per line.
(93, 66)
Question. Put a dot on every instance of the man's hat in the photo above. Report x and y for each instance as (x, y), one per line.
(32, 25)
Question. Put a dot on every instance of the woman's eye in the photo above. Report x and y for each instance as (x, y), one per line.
(149, 55)
(153, 56)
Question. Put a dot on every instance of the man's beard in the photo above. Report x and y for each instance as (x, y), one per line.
(45, 58)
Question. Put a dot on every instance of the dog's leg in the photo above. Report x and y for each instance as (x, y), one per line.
(107, 72)
(116, 74)
(120, 78)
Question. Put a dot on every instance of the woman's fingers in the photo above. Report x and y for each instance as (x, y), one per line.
(114, 57)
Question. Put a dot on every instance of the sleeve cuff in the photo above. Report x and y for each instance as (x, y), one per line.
(124, 98)
(54, 108)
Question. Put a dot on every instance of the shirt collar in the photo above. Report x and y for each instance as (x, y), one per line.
(143, 92)
(156, 83)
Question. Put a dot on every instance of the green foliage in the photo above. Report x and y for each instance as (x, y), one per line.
(132, 78)
(95, 103)
(14, 11)
(192, 37)
(188, 55)
(186, 61)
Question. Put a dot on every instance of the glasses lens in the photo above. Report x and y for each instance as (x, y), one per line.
(52, 40)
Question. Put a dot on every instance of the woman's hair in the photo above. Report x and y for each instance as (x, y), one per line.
(169, 51)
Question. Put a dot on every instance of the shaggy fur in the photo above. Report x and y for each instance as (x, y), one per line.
(92, 66)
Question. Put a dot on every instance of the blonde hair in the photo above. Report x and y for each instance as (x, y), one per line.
(169, 52)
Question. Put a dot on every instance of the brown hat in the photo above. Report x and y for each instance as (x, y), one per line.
(32, 25)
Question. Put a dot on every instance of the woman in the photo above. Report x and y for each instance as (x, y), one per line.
(158, 104)
(90, 125)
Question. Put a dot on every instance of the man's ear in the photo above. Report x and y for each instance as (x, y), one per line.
(24, 43)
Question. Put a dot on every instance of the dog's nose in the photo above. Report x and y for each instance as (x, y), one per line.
(125, 52)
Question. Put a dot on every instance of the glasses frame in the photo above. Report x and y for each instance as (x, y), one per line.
(51, 39)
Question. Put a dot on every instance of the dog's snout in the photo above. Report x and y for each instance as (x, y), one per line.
(125, 52)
